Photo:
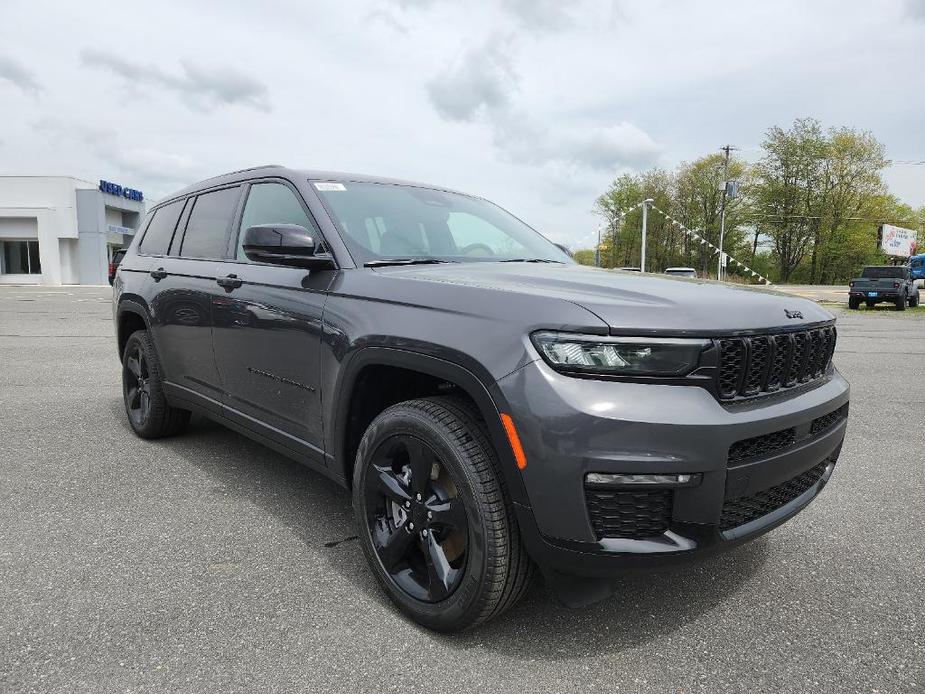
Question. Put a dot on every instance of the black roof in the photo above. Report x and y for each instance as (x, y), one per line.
(286, 172)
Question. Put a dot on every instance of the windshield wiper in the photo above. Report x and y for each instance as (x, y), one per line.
(385, 262)
(530, 260)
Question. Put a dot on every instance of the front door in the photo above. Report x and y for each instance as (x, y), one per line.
(267, 330)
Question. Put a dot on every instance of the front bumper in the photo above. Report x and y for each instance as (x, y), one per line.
(572, 426)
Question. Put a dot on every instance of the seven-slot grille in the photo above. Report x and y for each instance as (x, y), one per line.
(765, 363)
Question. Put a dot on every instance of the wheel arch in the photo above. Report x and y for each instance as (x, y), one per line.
(131, 315)
(487, 400)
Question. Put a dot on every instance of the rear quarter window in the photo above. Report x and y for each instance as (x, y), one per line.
(876, 273)
(160, 229)
(209, 224)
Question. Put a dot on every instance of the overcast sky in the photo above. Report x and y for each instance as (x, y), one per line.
(531, 103)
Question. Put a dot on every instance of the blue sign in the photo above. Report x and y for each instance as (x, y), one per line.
(116, 189)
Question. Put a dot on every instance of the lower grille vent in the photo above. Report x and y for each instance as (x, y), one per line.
(758, 446)
(630, 514)
(745, 509)
(829, 420)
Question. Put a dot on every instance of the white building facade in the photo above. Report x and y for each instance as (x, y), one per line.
(60, 230)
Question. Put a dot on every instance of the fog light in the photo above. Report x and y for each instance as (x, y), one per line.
(607, 479)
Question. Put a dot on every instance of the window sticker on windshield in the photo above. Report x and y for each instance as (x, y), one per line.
(329, 187)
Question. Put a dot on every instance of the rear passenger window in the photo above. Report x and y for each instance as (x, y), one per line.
(272, 203)
(209, 224)
(156, 240)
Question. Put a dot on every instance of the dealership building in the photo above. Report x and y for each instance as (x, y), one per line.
(60, 230)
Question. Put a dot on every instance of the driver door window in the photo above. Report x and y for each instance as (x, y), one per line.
(272, 203)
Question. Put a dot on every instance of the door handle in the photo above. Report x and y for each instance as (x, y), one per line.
(229, 282)
(158, 274)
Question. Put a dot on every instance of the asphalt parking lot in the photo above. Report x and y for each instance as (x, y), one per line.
(208, 563)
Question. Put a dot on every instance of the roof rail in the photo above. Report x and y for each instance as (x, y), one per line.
(253, 168)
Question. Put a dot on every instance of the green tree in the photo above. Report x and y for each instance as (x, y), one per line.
(584, 256)
(698, 205)
(810, 189)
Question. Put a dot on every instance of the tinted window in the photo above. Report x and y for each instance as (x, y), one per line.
(476, 236)
(883, 272)
(156, 240)
(271, 203)
(209, 223)
(396, 221)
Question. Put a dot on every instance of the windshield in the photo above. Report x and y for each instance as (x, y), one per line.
(382, 222)
(876, 273)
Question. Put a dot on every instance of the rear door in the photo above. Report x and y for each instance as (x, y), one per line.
(185, 282)
(267, 331)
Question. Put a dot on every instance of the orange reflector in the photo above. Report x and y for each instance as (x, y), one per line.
(514, 440)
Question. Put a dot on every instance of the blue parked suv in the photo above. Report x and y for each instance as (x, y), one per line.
(917, 265)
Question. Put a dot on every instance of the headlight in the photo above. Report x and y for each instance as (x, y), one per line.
(620, 356)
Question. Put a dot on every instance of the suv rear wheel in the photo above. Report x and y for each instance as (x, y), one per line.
(435, 523)
(142, 390)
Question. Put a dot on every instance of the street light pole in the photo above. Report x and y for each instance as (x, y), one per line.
(597, 249)
(645, 220)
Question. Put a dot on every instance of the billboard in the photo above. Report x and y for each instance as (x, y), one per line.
(896, 241)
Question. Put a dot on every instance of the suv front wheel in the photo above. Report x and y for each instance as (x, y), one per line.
(435, 523)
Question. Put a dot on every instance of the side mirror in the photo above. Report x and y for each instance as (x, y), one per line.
(284, 244)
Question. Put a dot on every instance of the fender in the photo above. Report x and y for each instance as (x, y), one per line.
(488, 399)
(131, 304)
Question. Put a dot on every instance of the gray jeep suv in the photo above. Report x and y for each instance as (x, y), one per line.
(494, 407)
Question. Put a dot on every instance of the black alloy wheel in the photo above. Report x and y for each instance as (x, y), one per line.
(137, 384)
(149, 413)
(435, 522)
(416, 520)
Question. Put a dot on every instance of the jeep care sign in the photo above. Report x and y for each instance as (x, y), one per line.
(896, 241)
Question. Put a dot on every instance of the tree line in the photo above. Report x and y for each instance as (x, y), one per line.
(806, 212)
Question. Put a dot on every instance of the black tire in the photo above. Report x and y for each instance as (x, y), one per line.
(494, 570)
(143, 393)
(901, 302)
(914, 301)
(854, 303)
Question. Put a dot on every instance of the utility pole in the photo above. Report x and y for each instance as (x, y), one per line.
(645, 219)
(597, 249)
(722, 213)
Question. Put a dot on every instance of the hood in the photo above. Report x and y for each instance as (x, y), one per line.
(634, 303)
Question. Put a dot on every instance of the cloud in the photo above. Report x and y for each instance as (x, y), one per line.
(481, 84)
(13, 72)
(206, 88)
(594, 147)
(916, 8)
(480, 79)
(146, 165)
(541, 14)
